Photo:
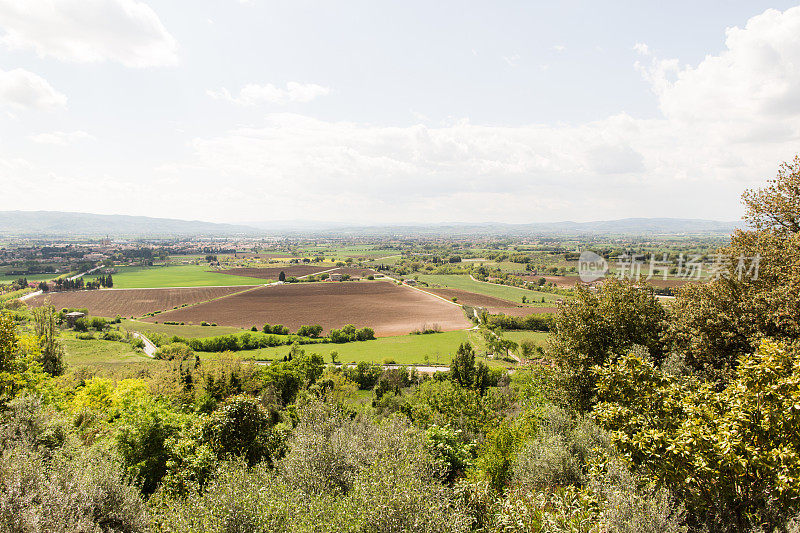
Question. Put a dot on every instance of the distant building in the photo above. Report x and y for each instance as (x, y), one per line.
(336, 277)
(72, 317)
(410, 282)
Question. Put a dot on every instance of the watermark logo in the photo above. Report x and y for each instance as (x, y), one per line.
(591, 266)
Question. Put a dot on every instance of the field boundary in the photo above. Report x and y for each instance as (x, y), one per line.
(422, 290)
(248, 288)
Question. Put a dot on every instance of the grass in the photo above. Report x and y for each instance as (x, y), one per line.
(176, 276)
(538, 337)
(99, 352)
(32, 278)
(168, 330)
(512, 294)
(404, 349)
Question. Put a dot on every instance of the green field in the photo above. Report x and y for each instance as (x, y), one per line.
(189, 332)
(138, 277)
(512, 294)
(538, 337)
(405, 349)
(36, 278)
(99, 352)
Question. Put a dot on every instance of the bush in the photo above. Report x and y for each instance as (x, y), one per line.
(174, 351)
(364, 374)
(631, 505)
(534, 322)
(82, 490)
(112, 335)
(559, 453)
(241, 428)
(238, 499)
(85, 336)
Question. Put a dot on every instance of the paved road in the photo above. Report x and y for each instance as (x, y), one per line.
(73, 278)
(149, 347)
(29, 295)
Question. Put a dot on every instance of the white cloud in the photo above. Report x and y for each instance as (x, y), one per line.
(22, 89)
(754, 81)
(511, 61)
(559, 47)
(88, 31)
(61, 138)
(727, 123)
(642, 49)
(253, 94)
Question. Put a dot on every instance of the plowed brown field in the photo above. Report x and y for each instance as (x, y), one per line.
(492, 304)
(385, 307)
(273, 272)
(470, 298)
(131, 302)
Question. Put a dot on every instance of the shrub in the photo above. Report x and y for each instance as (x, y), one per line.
(112, 335)
(241, 428)
(729, 483)
(174, 351)
(83, 490)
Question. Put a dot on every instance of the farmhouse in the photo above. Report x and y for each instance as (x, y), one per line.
(72, 317)
(336, 277)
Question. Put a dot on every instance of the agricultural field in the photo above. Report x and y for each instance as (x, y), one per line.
(503, 292)
(170, 330)
(272, 273)
(492, 304)
(382, 305)
(537, 337)
(99, 352)
(32, 278)
(139, 277)
(131, 302)
(432, 349)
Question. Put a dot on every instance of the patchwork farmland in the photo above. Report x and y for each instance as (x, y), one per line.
(132, 302)
(384, 306)
(272, 273)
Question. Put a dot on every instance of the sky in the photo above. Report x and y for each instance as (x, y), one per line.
(386, 112)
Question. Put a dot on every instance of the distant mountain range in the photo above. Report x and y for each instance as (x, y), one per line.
(56, 223)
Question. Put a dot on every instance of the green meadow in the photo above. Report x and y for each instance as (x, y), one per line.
(139, 277)
(512, 294)
(99, 352)
(169, 330)
(433, 349)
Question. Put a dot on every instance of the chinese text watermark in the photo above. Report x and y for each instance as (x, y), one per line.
(592, 267)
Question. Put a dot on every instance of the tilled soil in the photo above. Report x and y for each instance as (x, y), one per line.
(387, 308)
(131, 302)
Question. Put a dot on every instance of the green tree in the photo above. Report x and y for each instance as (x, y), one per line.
(9, 342)
(715, 324)
(282, 276)
(52, 351)
(733, 456)
(241, 428)
(596, 327)
(462, 367)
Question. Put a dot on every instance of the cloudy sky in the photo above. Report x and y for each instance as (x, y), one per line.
(385, 112)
